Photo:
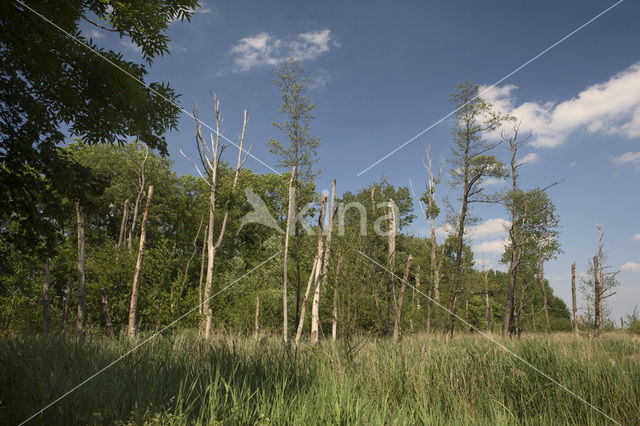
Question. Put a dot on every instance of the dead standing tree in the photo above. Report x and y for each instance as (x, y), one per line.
(316, 271)
(431, 213)
(142, 181)
(391, 263)
(210, 160)
(315, 307)
(398, 318)
(602, 285)
(133, 306)
(514, 143)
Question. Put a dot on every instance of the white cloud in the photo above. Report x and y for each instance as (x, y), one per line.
(493, 246)
(204, 10)
(492, 181)
(96, 34)
(572, 164)
(489, 227)
(612, 107)
(263, 49)
(531, 157)
(631, 267)
(628, 158)
(319, 79)
(636, 237)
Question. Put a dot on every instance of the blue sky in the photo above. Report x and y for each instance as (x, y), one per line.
(381, 72)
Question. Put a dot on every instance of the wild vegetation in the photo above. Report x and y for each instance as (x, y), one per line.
(184, 379)
(227, 296)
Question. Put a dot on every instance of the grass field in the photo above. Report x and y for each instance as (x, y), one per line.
(182, 379)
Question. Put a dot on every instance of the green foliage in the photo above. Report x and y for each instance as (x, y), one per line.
(183, 379)
(51, 86)
(303, 147)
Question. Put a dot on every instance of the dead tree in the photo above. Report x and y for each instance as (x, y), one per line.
(334, 324)
(431, 214)
(210, 161)
(186, 268)
(391, 263)
(202, 259)
(105, 310)
(285, 271)
(515, 229)
(315, 307)
(398, 317)
(81, 269)
(142, 179)
(67, 304)
(573, 297)
(133, 306)
(46, 285)
(316, 273)
(597, 293)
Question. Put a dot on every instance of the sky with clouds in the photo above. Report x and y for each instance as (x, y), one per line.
(381, 73)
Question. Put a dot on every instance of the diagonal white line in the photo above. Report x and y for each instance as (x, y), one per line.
(491, 339)
(492, 86)
(102, 370)
(82, 43)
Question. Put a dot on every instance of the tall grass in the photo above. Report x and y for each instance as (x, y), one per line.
(183, 379)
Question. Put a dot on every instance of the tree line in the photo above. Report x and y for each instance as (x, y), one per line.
(104, 234)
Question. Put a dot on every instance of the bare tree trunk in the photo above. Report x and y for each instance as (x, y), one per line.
(316, 273)
(186, 268)
(123, 224)
(322, 252)
(213, 163)
(257, 331)
(67, 304)
(142, 179)
(544, 291)
(285, 314)
(136, 276)
(334, 325)
(105, 309)
(391, 261)
(597, 294)
(573, 297)
(315, 307)
(303, 308)
(81, 287)
(202, 259)
(46, 317)
(398, 319)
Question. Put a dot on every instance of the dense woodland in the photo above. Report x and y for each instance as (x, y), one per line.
(100, 235)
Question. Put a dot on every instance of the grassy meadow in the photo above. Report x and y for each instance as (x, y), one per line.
(183, 379)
